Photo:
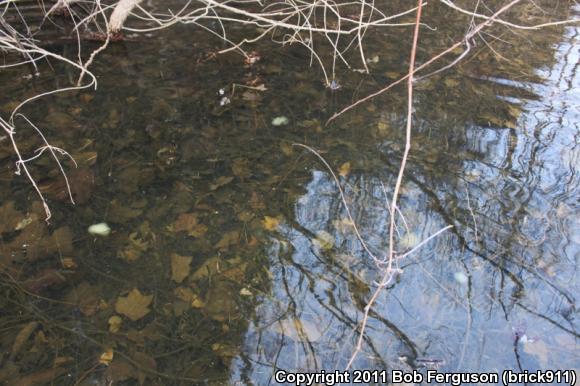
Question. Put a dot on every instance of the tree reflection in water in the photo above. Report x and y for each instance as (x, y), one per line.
(496, 293)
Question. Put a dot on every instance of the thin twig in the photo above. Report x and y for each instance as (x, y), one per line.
(342, 196)
(435, 58)
(388, 274)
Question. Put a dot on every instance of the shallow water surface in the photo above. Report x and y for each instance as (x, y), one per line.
(231, 253)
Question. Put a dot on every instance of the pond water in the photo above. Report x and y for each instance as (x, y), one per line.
(231, 253)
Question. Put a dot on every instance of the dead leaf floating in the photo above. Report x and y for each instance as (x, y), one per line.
(135, 305)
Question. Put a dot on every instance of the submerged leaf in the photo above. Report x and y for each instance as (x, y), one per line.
(514, 111)
(246, 292)
(209, 268)
(409, 240)
(180, 267)
(189, 223)
(450, 82)
(86, 297)
(382, 129)
(184, 293)
(237, 273)
(299, 330)
(221, 302)
(270, 223)
(135, 305)
(10, 217)
(324, 240)
(185, 222)
(225, 351)
(22, 337)
(221, 181)
(344, 169)
(228, 239)
(287, 149)
(121, 212)
(241, 168)
(257, 201)
(106, 357)
(26, 221)
(539, 350)
(135, 247)
(115, 323)
(121, 370)
(344, 225)
(251, 96)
